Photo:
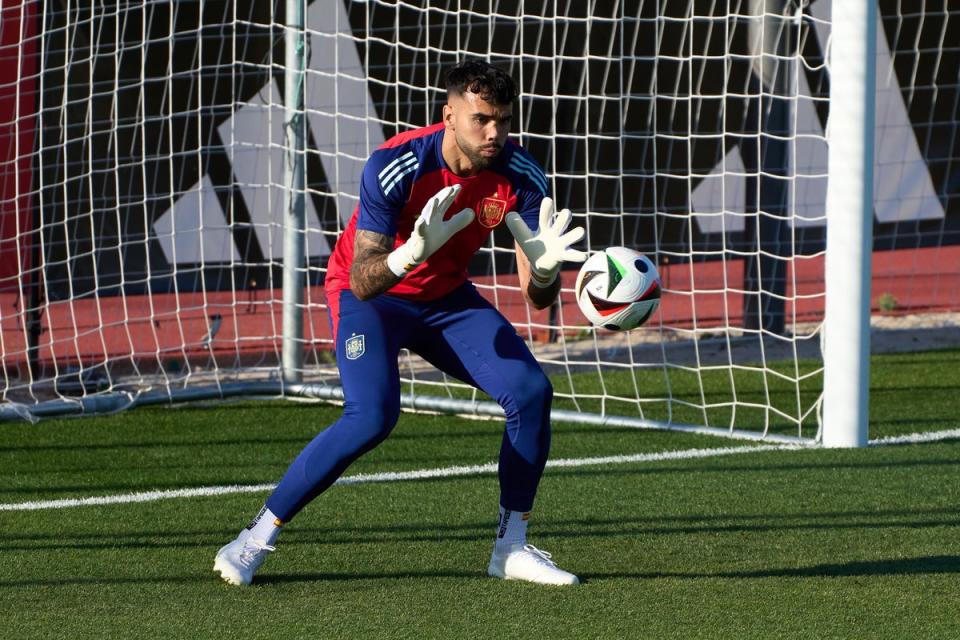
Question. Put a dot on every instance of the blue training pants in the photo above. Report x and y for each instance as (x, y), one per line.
(461, 334)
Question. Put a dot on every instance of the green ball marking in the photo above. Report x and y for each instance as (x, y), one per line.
(615, 273)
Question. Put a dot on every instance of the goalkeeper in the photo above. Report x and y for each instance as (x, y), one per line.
(397, 278)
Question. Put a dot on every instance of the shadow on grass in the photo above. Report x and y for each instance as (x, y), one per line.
(678, 467)
(632, 527)
(867, 568)
(384, 575)
(160, 444)
(403, 432)
(655, 469)
(925, 565)
(266, 579)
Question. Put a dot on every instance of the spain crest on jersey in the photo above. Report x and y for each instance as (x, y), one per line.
(491, 212)
(355, 347)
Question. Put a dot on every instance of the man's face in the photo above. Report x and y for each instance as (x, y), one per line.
(480, 127)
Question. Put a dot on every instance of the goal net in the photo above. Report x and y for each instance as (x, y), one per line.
(146, 161)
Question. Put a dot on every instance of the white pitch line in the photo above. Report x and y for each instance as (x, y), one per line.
(917, 438)
(447, 472)
(142, 496)
(389, 476)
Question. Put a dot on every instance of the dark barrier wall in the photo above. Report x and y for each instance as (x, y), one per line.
(115, 154)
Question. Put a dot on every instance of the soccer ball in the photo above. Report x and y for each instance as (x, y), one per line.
(618, 288)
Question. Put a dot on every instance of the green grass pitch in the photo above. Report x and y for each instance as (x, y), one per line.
(775, 544)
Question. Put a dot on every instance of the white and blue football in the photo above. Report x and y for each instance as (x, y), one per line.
(618, 288)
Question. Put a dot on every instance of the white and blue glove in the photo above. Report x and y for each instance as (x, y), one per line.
(550, 245)
(430, 232)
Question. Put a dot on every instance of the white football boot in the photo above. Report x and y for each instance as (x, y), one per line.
(239, 560)
(526, 562)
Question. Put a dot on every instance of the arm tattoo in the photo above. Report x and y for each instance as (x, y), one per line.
(369, 274)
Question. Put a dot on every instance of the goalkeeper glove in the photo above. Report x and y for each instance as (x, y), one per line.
(430, 232)
(549, 246)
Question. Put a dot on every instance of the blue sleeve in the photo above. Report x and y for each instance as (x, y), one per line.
(531, 187)
(385, 183)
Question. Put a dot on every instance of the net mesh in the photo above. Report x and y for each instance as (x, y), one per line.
(143, 187)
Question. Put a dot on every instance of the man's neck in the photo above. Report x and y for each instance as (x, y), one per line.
(456, 160)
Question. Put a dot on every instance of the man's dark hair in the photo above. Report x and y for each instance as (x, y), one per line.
(482, 78)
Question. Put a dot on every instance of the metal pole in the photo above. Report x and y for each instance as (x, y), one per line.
(294, 236)
(846, 352)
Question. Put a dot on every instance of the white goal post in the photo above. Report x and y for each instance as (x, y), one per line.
(849, 209)
(174, 176)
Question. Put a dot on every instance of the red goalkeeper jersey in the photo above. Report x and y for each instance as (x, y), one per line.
(402, 175)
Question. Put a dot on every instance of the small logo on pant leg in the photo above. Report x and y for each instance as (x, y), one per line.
(354, 346)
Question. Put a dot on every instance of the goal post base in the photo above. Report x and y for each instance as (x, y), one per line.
(118, 401)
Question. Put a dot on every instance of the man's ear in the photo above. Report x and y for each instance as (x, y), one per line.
(448, 119)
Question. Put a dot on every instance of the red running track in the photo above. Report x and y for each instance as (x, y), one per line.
(154, 330)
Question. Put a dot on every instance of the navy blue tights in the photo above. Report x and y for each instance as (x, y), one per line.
(462, 335)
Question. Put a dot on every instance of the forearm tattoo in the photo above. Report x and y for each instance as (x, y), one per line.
(369, 273)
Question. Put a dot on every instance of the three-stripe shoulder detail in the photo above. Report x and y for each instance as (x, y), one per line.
(528, 167)
(393, 173)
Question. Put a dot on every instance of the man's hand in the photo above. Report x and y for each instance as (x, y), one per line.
(549, 246)
(430, 232)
